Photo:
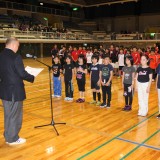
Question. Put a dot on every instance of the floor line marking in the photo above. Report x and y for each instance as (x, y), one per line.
(145, 145)
(141, 144)
(100, 146)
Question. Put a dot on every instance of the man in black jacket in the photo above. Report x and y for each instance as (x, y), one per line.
(12, 92)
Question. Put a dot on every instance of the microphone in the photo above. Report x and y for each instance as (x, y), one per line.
(31, 56)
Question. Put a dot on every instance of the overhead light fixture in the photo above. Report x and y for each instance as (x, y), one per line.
(152, 34)
(41, 4)
(46, 19)
(75, 9)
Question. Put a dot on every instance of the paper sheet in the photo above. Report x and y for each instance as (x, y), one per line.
(33, 71)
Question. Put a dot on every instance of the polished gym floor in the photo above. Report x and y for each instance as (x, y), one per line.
(90, 133)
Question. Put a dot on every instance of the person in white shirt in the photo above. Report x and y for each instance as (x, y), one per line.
(89, 59)
(100, 60)
(121, 62)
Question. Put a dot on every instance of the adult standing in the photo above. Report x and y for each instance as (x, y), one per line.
(54, 52)
(74, 56)
(12, 92)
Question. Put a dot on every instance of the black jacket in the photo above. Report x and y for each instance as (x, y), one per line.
(12, 74)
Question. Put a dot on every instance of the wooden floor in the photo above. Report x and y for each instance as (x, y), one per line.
(90, 133)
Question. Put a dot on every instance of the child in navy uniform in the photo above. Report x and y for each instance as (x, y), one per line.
(81, 72)
(95, 80)
(68, 78)
(106, 74)
(128, 82)
(57, 70)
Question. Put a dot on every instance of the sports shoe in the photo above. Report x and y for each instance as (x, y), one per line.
(70, 99)
(66, 98)
(108, 105)
(128, 108)
(81, 100)
(58, 96)
(124, 109)
(141, 115)
(19, 141)
(78, 100)
(93, 102)
(103, 105)
(54, 96)
(98, 103)
(158, 116)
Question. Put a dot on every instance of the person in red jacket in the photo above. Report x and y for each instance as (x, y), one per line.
(153, 63)
(80, 50)
(136, 58)
(74, 55)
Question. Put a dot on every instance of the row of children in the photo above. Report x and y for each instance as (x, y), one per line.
(116, 54)
(101, 75)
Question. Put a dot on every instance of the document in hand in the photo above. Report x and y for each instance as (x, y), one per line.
(33, 71)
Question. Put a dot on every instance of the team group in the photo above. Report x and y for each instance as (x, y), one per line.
(137, 68)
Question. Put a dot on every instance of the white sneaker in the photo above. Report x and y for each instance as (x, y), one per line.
(66, 99)
(70, 99)
(19, 141)
(54, 96)
(57, 96)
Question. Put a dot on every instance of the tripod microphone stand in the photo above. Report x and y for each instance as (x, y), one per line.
(52, 123)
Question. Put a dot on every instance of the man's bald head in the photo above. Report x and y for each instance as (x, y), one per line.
(12, 43)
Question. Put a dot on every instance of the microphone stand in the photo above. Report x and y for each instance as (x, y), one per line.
(51, 106)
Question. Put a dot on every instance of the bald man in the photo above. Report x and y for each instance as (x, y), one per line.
(12, 92)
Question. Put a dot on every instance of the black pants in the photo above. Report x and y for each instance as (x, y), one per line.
(106, 90)
(81, 85)
(89, 67)
(69, 88)
(128, 94)
(62, 61)
(154, 74)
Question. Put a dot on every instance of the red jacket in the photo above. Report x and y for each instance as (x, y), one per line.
(82, 52)
(158, 59)
(153, 61)
(75, 56)
(136, 58)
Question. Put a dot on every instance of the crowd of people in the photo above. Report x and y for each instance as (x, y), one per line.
(41, 28)
(25, 23)
(137, 68)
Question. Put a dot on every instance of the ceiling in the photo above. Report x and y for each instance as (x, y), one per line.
(91, 3)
